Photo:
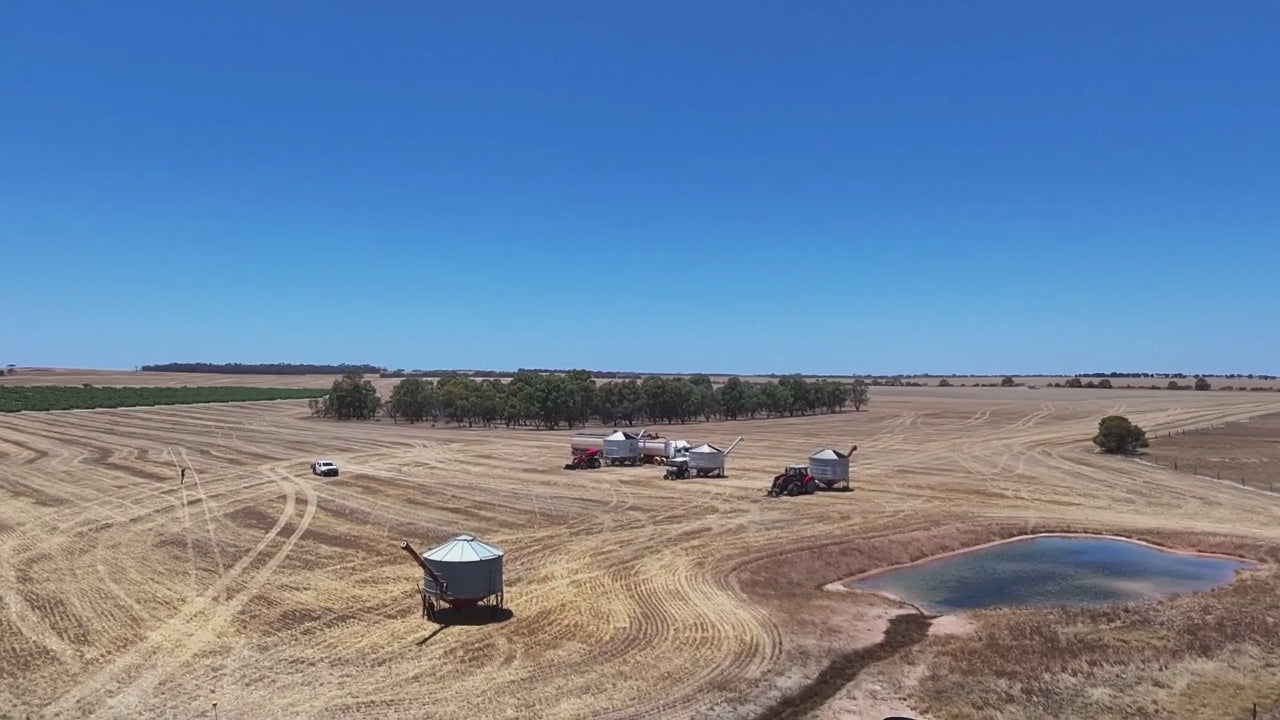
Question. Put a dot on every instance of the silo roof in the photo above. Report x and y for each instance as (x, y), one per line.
(620, 435)
(705, 448)
(463, 548)
(828, 454)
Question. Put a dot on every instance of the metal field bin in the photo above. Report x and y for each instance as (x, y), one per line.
(622, 448)
(462, 573)
(831, 468)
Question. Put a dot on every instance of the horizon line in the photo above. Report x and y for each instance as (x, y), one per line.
(508, 372)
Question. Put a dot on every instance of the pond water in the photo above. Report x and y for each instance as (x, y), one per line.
(1051, 570)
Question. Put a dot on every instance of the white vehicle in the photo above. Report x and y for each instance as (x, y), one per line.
(324, 468)
(663, 451)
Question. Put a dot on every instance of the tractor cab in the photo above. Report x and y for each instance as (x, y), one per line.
(794, 480)
(584, 460)
(677, 469)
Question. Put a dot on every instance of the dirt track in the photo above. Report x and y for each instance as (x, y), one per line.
(280, 594)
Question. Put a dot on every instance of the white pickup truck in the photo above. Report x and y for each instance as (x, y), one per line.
(324, 468)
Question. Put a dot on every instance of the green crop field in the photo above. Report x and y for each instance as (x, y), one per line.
(16, 398)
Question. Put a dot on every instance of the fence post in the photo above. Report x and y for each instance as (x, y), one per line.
(1175, 464)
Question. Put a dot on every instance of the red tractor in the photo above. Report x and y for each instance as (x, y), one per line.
(795, 480)
(584, 460)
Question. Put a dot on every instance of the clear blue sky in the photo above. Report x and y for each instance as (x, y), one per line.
(767, 186)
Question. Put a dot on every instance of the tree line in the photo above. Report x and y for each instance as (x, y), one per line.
(1105, 384)
(598, 374)
(574, 399)
(368, 369)
(261, 368)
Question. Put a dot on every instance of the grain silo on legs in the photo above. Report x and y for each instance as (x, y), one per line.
(830, 468)
(461, 573)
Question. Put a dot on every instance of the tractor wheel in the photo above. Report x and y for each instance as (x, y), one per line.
(810, 487)
(595, 463)
(793, 490)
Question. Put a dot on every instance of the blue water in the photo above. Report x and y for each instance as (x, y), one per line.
(1052, 571)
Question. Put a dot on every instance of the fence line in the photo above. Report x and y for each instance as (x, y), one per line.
(1192, 469)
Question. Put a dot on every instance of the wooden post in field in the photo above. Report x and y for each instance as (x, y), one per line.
(215, 710)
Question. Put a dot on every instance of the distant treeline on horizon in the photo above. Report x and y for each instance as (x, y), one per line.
(365, 369)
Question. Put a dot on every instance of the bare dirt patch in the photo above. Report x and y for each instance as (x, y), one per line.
(904, 631)
(1247, 452)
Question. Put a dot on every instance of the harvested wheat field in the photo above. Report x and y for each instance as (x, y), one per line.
(280, 594)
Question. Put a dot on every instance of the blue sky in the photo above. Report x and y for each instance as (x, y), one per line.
(669, 186)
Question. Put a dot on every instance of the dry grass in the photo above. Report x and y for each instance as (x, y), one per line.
(126, 594)
(1204, 656)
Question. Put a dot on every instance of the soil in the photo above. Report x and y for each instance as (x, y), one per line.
(1246, 452)
(904, 631)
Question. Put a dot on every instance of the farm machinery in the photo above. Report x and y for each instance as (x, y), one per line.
(707, 460)
(827, 469)
(461, 574)
(584, 459)
(793, 481)
(623, 448)
(677, 469)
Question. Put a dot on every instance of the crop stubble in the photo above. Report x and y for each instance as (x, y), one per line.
(278, 593)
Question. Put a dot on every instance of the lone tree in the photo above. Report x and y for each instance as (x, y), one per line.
(1202, 384)
(1117, 435)
(859, 395)
(1007, 381)
(944, 383)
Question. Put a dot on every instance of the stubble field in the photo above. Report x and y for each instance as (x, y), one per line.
(279, 594)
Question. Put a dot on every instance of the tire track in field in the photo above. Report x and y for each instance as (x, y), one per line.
(186, 520)
(191, 643)
(208, 519)
(176, 633)
(29, 622)
(978, 418)
(607, 549)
